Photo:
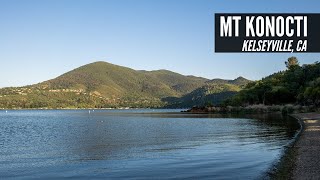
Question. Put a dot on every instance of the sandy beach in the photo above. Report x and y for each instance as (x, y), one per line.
(307, 161)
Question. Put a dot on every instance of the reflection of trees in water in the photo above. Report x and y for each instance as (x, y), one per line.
(127, 135)
(273, 130)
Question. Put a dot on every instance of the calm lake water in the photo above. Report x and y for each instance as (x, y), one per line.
(139, 144)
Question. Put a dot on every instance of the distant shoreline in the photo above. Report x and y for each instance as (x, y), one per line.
(253, 109)
(121, 108)
(65, 108)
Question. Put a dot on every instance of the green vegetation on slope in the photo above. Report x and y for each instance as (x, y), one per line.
(104, 85)
(298, 84)
(179, 83)
(212, 93)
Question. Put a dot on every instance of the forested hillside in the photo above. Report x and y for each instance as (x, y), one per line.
(105, 85)
(299, 84)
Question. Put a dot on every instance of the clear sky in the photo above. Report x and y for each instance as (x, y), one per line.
(40, 40)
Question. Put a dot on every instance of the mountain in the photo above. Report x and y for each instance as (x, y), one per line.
(212, 93)
(101, 85)
(240, 81)
(179, 83)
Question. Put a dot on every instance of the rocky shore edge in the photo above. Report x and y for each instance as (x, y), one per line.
(302, 158)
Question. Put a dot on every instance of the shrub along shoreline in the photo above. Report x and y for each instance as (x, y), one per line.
(252, 109)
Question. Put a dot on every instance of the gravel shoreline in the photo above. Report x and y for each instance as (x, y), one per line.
(307, 148)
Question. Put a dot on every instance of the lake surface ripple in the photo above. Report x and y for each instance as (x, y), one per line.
(139, 144)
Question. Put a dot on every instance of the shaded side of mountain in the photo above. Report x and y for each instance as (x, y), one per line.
(212, 93)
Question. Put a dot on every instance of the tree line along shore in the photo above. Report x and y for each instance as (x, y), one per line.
(294, 90)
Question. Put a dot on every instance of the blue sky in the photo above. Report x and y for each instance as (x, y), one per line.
(40, 40)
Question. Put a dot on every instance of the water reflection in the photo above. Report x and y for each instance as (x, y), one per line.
(127, 135)
(139, 144)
